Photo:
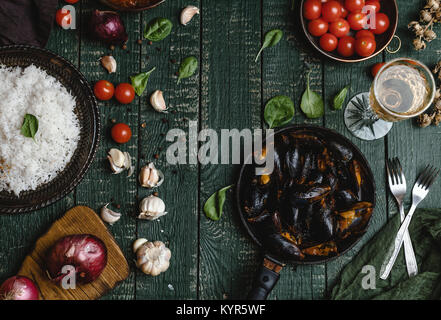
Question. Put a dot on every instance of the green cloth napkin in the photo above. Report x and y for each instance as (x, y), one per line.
(425, 231)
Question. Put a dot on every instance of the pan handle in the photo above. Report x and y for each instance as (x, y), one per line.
(266, 279)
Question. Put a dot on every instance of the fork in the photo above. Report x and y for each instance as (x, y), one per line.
(419, 192)
(397, 185)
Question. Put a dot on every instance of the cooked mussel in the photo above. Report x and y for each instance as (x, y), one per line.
(339, 151)
(323, 249)
(354, 219)
(302, 195)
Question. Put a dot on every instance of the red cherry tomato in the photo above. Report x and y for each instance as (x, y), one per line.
(344, 12)
(63, 18)
(376, 67)
(346, 46)
(365, 46)
(124, 93)
(328, 42)
(354, 5)
(121, 133)
(312, 9)
(381, 23)
(357, 20)
(331, 11)
(318, 27)
(375, 4)
(103, 90)
(339, 28)
(71, 1)
(364, 33)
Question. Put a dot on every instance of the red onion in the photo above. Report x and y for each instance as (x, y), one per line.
(18, 288)
(108, 26)
(85, 252)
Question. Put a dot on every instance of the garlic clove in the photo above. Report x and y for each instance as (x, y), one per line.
(188, 13)
(128, 164)
(138, 243)
(157, 101)
(117, 157)
(109, 63)
(109, 216)
(150, 177)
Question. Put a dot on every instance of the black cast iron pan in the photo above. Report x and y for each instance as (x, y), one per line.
(273, 261)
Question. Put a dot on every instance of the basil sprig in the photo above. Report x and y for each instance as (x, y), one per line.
(158, 29)
(278, 111)
(30, 126)
(187, 68)
(272, 38)
(340, 98)
(312, 103)
(214, 206)
(139, 82)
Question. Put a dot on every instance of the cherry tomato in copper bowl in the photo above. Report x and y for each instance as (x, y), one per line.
(332, 22)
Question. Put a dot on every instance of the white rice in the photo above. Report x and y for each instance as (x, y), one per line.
(26, 163)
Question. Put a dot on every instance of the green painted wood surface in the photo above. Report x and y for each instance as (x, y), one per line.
(215, 260)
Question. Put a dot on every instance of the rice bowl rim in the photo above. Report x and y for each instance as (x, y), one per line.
(11, 204)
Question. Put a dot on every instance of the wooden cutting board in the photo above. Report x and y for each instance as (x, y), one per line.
(78, 220)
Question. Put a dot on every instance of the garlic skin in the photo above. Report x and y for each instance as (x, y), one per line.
(188, 13)
(157, 101)
(120, 161)
(151, 208)
(109, 216)
(109, 63)
(150, 177)
(151, 257)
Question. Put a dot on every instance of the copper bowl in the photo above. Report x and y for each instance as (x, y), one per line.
(132, 5)
(390, 8)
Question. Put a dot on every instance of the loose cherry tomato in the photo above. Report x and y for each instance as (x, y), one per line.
(318, 27)
(346, 46)
(354, 5)
(328, 42)
(364, 33)
(344, 12)
(374, 4)
(331, 11)
(124, 93)
(376, 67)
(381, 23)
(365, 46)
(339, 28)
(103, 90)
(121, 133)
(312, 9)
(63, 18)
(357, 20)
(71, 1)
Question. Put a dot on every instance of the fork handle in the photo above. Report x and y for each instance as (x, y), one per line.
(409, 254)
(394, 250)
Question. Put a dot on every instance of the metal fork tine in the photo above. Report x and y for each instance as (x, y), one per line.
(397, 171)
(400, 171)
(432, 178)
(391, 171)
(428, 176)
(422, 175)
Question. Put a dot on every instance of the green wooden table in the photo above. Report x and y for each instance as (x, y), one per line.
(215, 260)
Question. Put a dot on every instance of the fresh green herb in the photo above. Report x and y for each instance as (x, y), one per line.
(187, 68)
(214, 205)
(312, 103)
(30, 126)
(139, 82)
(158, 29)
(271, 39)
(279, 111)
(340, 98)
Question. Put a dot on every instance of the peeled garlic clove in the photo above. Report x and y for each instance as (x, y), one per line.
(188, 13)
(157, 101)
(150, 177)
(109, 63)
(151, 208)
(109, 216)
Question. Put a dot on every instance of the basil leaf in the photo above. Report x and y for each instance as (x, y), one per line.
(30, 126)
(279, 111)
(340, 98)
(271, 39)
(214, 205)
(139, 82)
(312, 103)
(158, 29)
(187, 68)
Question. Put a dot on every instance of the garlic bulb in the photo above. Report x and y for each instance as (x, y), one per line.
(109, 216)
(120, 161)
(188, 13)
(157, 101)
(151, 208)
(109, 63)
(151, 257)
(150, 177)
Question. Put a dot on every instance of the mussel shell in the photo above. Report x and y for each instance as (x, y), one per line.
(339, 151)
